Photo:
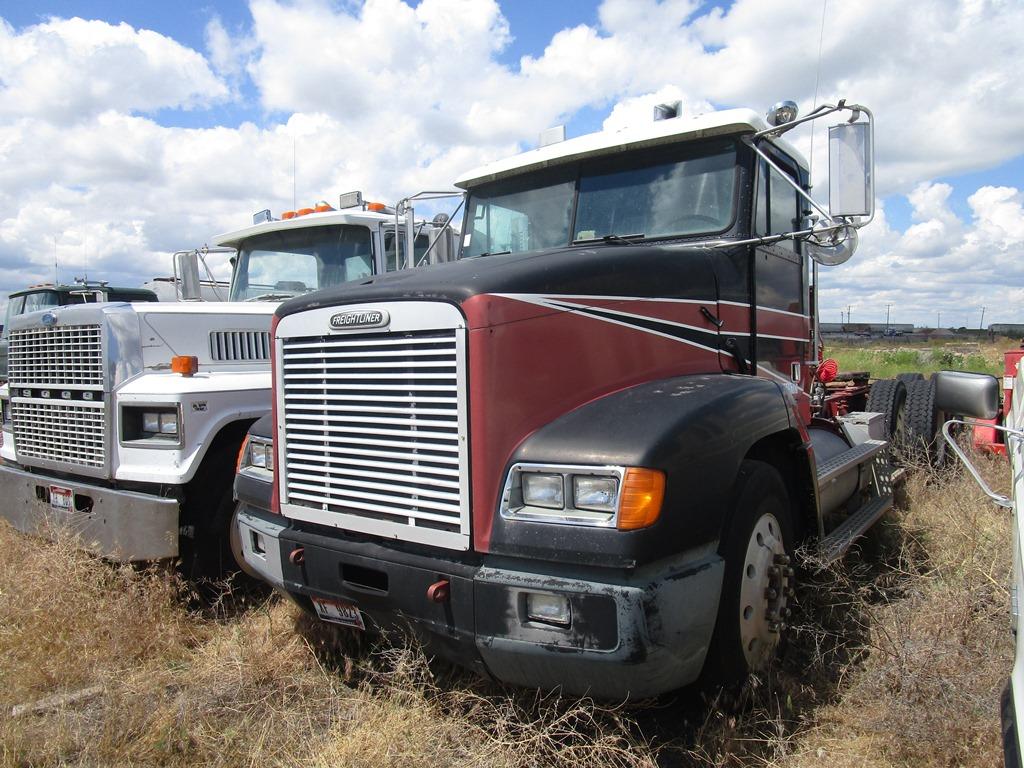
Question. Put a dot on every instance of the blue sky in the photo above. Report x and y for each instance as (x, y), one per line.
(144, 139)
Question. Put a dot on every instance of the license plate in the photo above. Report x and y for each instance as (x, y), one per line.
(339, 612)
(61, 499)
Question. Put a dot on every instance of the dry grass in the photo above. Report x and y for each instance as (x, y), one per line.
(897, 658)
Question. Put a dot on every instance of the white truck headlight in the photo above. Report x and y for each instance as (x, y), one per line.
(154, 426)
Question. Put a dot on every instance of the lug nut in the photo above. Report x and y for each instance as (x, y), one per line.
(781, 560)
(786, 613)
(775, 627)
(790, 592)
(770, 593)
(788, 572)
(773, 570)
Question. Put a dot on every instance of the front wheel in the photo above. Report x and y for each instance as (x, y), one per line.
(759, 581)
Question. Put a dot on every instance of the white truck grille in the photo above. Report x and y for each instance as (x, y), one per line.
(58, 408)
(375, 433)
(239, 345)
(69, 355)
(62, 432)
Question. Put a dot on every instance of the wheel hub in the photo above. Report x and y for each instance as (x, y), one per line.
(766, 586)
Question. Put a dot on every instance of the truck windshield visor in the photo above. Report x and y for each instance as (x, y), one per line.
(659, 193)
(277, 265)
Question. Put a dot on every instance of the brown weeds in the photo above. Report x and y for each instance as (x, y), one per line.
(896, 657)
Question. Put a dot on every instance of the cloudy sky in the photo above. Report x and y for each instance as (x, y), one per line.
(130, 130)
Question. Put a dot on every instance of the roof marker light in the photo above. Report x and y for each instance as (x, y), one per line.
(376, 207)
(323, 206)
(288, 215)
(303, 211)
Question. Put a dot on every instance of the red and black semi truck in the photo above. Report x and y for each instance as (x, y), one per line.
(581, 455)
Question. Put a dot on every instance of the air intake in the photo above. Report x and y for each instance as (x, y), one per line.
(236, 346)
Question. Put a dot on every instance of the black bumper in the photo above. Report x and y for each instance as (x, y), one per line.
(633, 634)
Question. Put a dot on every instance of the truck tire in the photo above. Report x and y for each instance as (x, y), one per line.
(922, 421)
(758, 582)
(887, 396)
(207, 553)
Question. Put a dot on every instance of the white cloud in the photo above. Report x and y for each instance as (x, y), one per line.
(66, 70)
(940, 264)
(390, 98)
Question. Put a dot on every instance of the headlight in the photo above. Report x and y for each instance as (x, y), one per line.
(158, 425)
(543, 490)
(626, 498)
(600, 494)
(257, 458)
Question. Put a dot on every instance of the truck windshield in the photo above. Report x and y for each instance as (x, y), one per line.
(276, 265)
(670, 192)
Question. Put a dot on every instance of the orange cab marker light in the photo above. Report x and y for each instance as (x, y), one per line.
(643, 491)
(303, 211)
(375, 206)
(186, 365)
(323, 206)
(288, 215)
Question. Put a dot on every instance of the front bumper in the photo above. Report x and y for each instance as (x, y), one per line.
(633, 634)
(124, 526)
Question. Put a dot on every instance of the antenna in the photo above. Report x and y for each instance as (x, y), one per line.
(56, 280)
(293, 173)
(817, 80)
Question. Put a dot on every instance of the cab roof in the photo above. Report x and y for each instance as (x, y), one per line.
(723, 123)
(355, 216)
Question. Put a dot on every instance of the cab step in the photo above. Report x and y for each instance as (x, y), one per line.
(851, 457)
(835, 545)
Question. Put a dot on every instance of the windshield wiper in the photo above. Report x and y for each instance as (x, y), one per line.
(491, 253)
(611, 239)
(272, 296)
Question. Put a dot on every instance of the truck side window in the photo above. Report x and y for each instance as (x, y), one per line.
(776, 206)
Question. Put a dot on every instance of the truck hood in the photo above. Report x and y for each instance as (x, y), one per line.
(665, 271)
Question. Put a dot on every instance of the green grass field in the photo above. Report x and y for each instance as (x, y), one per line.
(886, 359)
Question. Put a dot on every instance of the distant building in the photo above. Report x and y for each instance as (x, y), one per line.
(865, 329)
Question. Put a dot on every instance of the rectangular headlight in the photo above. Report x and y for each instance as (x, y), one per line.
(169, 423)
(158, 425)
(541, 490)
(600, 494)
(257, 458)
(151, 422)
(548, 609)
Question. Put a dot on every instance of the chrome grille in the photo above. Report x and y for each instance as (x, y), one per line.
(372, 431)
(239, 345)
(72, 433)
(68, 355)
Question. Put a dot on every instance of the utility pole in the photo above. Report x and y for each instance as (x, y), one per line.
(848, 308)
(887, 307)
(938, 320)
(981, 325)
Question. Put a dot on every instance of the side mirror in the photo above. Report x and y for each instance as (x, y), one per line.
(186, 276)
(851, 170)
(968, 394)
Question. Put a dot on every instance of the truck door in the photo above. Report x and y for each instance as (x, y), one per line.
(780, 321)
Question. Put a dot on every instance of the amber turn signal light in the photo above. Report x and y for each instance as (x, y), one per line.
(186, 365)
(643, 491)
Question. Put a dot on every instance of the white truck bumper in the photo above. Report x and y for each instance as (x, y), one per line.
(124, 526)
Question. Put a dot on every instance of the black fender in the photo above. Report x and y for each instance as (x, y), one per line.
(696, 429)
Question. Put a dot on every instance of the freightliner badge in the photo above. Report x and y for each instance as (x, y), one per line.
(364, 318)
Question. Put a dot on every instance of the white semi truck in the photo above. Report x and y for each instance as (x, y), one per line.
(122, 420)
